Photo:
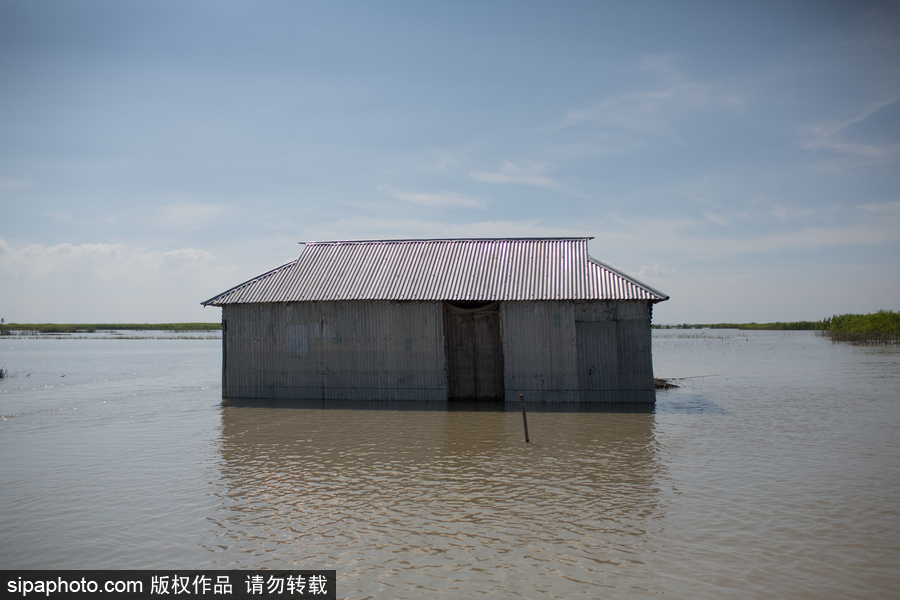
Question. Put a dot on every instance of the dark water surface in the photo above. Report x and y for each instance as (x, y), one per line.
(777, 478)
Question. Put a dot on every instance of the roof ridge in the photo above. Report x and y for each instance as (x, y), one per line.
(497, 239)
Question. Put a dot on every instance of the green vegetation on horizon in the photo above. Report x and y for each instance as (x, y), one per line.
(882, 327)
(776, 326)
(5, 328)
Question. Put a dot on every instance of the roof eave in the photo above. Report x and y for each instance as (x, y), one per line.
(661, 297)
(212, 301)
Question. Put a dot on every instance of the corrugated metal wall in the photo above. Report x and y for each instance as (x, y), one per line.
(577, 351)
(360, 350)
(553, 351)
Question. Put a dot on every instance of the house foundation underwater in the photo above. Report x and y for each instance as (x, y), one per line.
(480, 320)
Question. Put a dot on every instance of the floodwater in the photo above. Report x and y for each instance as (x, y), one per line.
(776, 476)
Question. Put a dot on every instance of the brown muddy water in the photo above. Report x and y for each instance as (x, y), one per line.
(777, 478)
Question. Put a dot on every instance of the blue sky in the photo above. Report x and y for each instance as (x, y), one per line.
(740, 157)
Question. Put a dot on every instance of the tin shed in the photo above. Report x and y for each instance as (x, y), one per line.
(438, 320)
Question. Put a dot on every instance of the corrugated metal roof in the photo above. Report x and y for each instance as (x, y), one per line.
(456, 269)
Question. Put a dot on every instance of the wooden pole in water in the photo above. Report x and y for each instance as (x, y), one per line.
(524, 418)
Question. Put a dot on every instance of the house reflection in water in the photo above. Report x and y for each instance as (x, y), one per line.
(373, 491)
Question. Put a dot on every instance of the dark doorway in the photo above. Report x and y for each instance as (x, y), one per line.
(474, 350)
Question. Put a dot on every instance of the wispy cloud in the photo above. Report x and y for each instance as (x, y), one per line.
(789, 214)
(686, 238)
(516, 174)
(890, 210)
(105, 261)
(361, 227)
(716, 218)
(737, 279)
(655, 272)
(9, 182)
(185, 215)
(102, 282)
(92, 221)
(625, 119)
(434, 199)
(831, 136)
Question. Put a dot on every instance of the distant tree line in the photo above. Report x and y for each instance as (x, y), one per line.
(776, 326)
(6, 328)
(882, 327)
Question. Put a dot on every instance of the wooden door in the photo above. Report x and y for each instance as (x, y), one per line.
(474, 351)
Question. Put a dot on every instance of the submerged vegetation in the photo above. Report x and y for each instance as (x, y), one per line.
(39, 328)
(882, 327)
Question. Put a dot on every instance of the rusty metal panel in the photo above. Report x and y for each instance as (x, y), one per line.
(434, 270)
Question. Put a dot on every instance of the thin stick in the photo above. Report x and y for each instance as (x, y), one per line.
(524, 418)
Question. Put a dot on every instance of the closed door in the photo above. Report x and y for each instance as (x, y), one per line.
(474, 351)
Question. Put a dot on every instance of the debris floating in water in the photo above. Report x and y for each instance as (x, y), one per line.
(665, 384)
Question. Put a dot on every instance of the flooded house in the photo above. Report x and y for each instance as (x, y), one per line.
(438, 320)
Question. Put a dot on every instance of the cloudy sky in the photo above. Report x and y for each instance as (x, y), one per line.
(740, 157)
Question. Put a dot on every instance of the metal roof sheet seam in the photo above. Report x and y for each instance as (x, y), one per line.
(451, 269)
